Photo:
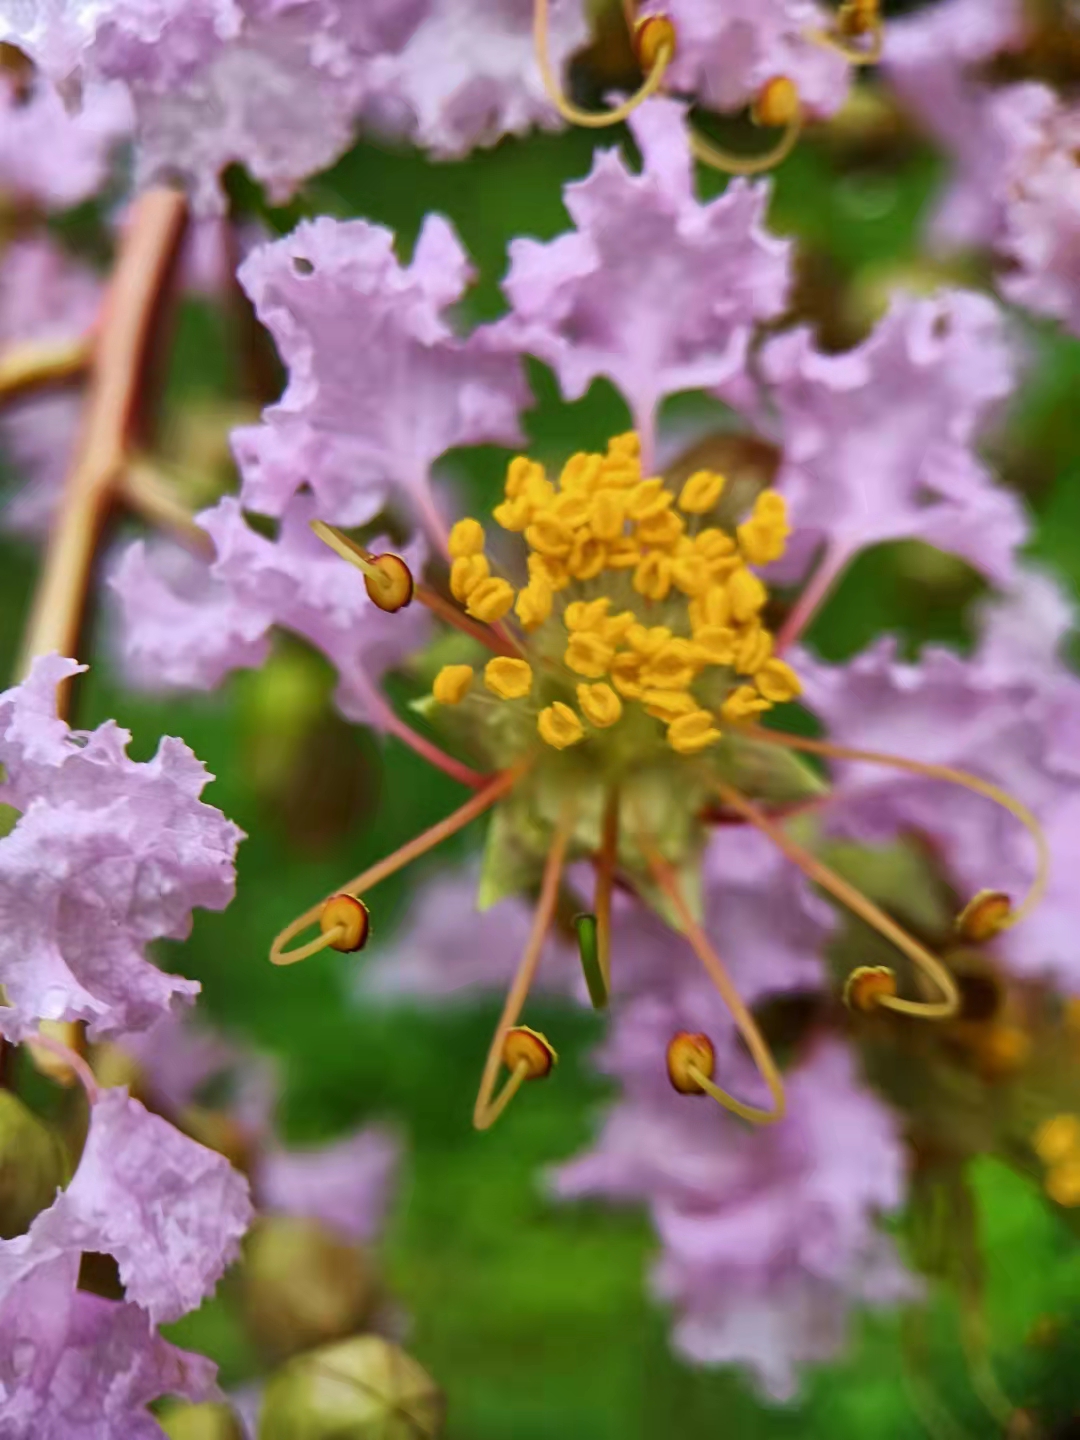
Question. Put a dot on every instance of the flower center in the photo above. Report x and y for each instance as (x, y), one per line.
(641, 618)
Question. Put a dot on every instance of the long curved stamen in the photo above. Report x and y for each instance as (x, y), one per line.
(717, 973)
(493, 637)
(409, 852)
(605, 884)
(868, 54)
(931, 772)
(821, 874)
(487, 1110)
(729, 163)
(592, 119)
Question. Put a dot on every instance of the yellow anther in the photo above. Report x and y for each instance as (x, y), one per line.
(777, 102)
(752, 650)
(647, 640)
(712, 608)
(608, 514)
(625, 673)
(466, 538)
(652, 576)
(346, 919)
(747, 594)
(490, 600)
(615, 628)
(715, 545)
(533, 604)
(559, 727)
(692, 733)
(652, 33)
(777, 681)
(763, 537)
(587, 558)
(743, 704)
(547, 535)
(701, 492)
(716, 644)
(867, 985)
(586, 614)
(984, 916)
(580, 473)
(571, 509)
(626, 446)
(689, 1057)
(466, 573)
(589, 654)
(691, 574)
(549, 569)
(520, 472)
(452, 684)
(513, 514)
(508, 678)
(623, 553)
(599, 704)
(648, 497)
(673, 668)
(1057, 1139)
(529, 1049)
(668, 705)
(1062, 1183)
(662, 528)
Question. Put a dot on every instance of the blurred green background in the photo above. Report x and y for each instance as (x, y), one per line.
(534, 1317)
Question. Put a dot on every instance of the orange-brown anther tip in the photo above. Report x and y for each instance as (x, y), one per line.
(777, 102)
(650, 33)
(394, 590)
(867, 985)
(984, 916)
(350, 916)
(523, 1045)
(688, 1052)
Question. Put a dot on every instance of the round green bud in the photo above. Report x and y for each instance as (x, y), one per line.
(201, 1422)
(360, 1389)
(302, 1286)
(32, 1165)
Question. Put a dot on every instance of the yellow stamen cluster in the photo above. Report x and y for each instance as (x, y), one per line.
(635, 592)
(1057, 1144)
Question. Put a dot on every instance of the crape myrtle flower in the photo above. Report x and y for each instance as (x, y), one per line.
(767, 1242)
(468, 75)
(276, 88)
(106, 855)
(931, 61)
(676, 311)
(618, 646)
(48, 303)
(171, 1213)
(1034, 135)
(345, 1184)
(51, 159)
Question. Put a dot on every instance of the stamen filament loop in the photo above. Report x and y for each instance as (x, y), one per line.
(592, 119)
(821, 874)
(419, 845)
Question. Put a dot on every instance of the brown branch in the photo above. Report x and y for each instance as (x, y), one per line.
(121, 350)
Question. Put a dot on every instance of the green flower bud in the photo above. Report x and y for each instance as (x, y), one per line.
(32, 1165)
(201, 1422)
(302, 1286)
(361, 1389)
